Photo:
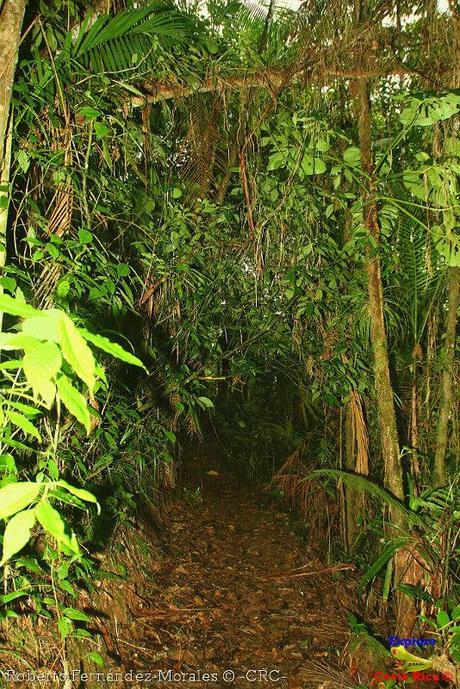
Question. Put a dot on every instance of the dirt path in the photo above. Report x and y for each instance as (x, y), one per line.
(219, 601)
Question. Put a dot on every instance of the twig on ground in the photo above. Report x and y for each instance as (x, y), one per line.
(325, 570)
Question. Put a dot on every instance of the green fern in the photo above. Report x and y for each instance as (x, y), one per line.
(438, 500)
(418, 286)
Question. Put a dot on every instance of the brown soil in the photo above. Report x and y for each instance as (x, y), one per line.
(232, 594)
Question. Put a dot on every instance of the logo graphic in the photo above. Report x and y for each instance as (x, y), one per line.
(416, 641)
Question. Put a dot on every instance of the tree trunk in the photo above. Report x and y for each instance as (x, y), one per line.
(446, 403)
(404, 562)
(385, 401)
(351, 495)
(11, 16)
(356, 461)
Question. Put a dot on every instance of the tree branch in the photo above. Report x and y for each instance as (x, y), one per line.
(273, 80)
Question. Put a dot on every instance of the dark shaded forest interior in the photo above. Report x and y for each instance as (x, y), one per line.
(229, 293)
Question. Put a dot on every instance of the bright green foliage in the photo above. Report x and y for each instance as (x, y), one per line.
(74, 401)
(424, 111)
(52, 344)
(17, 533)
(52, 522)
(76, 352)
(17, 496)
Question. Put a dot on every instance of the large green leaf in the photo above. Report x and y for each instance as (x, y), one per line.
(96, 658)
(65, 627)
(43, 327)
(55, 525)
(312, 166)
(12, 341)
(24, 408)
(426, 111)
(352, 156)
(79, 492)
(111, 348)
(76, 352)
(17, 496)
(414, 182)
(17, 533)
(78, 615)
(13, 595)
(23, 423)
(277, 160)
(74, 401)
(41, 365)
(387, 554)
(447, 244)
(359, 482)
(124, 41)
(15, 307)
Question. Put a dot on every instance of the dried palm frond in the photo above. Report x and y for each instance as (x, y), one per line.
(359, 434)
(317, 675)
(309, 498)
(204, 150)
(60, 211)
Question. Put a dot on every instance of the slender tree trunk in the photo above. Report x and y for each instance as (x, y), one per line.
(404, 562)
(357, 461)
(393, 474)
(385, 401)
(351, 495)
(353, 499)
(11, 16)
(447, 388)
(413, 428)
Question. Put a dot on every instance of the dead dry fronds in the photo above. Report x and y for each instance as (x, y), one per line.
(320, 675)
(307, 497)
(359, 439)
(60, 213)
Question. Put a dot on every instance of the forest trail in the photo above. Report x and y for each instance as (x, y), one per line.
(224, 597)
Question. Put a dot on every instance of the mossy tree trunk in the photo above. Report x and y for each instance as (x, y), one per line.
(11, 17)
(404, 562)
(384, 389)
(453, 299)
(447, 386)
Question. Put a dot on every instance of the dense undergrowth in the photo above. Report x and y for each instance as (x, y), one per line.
(197, 243)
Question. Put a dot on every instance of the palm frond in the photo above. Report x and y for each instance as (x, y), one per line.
(360, 483)
(123, 41)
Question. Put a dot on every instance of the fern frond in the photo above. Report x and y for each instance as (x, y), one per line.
(438, 499)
